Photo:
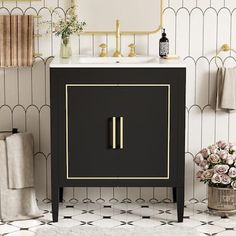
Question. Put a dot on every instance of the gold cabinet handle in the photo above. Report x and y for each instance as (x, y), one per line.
(121, 132)
(113, 132)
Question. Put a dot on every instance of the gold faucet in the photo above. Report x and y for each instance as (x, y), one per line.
(117, 52)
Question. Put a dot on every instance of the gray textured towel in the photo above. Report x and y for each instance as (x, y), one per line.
(224, 95)
(15, 204)
(20, 160)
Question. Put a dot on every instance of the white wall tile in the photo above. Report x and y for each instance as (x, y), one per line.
(11, 83)
(25, 87)
(210, 32)
(202, 81)
(169, 24)
(182, 32)
(196, 32)
(19, 118)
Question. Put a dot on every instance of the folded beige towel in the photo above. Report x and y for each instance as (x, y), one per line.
(224, 95)
(20, 160)
(16, 40)
(15, 204)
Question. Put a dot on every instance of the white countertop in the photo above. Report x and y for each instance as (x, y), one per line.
(110, 62)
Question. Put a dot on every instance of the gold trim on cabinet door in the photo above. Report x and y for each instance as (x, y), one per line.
(119, 85)
(113, 132)
(121, 132)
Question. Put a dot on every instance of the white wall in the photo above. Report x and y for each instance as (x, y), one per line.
(196, 29)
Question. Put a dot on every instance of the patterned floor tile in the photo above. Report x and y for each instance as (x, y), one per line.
(210, 229)
(226, 223)
(147, 223)
(5, 228)
(227, 233)
(126, 217)
(162, 215)
(107, 211)
(22, 233)
(109, 223)
(66, 223)
(69, 210)
(26, 223)
(88, 206)
(87, 217)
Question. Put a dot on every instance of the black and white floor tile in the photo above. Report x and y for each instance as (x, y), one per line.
(125, 215)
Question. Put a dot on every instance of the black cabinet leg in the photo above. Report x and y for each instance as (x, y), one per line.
(61, 194)
(55, 204)
(174, 194)
(180, 203)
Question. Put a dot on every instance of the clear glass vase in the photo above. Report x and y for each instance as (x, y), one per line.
(65, 51)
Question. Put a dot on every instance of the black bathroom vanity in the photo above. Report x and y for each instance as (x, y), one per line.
(117, 124)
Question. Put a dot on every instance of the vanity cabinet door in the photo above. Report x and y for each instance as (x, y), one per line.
(118, 131)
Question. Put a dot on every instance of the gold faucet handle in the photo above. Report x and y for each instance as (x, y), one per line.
(103, 52)
(132, 47)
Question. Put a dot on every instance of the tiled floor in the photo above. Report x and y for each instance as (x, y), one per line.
(125, 215)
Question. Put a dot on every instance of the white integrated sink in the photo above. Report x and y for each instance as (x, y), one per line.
(113, 62)
(117, 60)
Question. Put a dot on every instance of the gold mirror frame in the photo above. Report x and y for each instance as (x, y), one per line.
(126, 32)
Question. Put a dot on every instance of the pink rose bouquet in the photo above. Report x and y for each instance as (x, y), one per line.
(217, 165)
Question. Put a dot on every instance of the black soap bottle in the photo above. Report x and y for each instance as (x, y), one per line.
(163, 45)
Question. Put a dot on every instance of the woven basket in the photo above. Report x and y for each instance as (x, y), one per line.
(221, 199)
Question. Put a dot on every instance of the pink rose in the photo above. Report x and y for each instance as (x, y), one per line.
(198, 158)
(232, 172)
(223, 154)
(233, 184)
(221, 144)
(225, 179)
(229, 160)
(199, 174)
(214, 159)
(208, 174)
(221, 169)
(205, 152)
(232, 147)
(204, 164)
(213, 149)
(216, 179)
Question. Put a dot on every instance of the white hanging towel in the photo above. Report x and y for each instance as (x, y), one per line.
(15, 204)
(224, 95)
(20, 160)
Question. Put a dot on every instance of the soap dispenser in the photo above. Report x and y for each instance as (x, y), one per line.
(163, 45)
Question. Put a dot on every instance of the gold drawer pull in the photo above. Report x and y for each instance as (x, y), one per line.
(114, 132)
(121, 132)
